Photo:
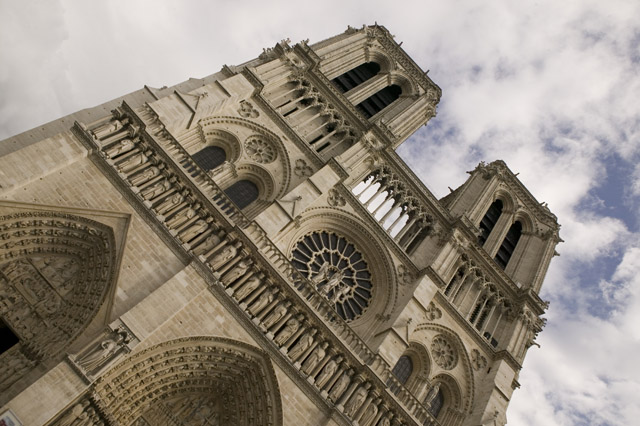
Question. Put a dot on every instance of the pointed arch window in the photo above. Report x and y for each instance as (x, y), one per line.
(489, 221)
(7, 338)
(379, 101)
(242, 193)
(403, 369)
(509, 244)
(210, 157)
(436, 404)
(356, 76)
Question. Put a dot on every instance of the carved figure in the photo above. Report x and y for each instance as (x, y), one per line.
(433, 392)
(369, 414)
(265, 298)
(125, 145)
(170, 203)
(327, 372)
(236, 272)
(102, 352)
(145, 176)
(355, 402)
(182, 217)
(275, 315)
(322, 273)
(302, 345)
(194, 230)
(248, 287)
(340, 385)
(333, 282)
(314, 358)
(224, 256)
(210, 242)
(292, 325)
(340, 293)
(108, 128)
(132, 162)
(384, 422)
(154, 190)
(73, 414)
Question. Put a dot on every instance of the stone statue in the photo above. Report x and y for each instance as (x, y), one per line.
(292, 325)
(170, 203)
(236, 272)
(314, 358)
(340, 293)
(384, 422)
(340, 386)
(224, 256)
(322, 273)
(154, 190)
(132, 162)
(125, 145)
(182, 217)
(103, 351)
(355, 402)
(248, 287)
(108, 128)
(194, 230)
(433, 392)
(332, 283)
(145, 176)
(327, 372)
(265, 298)
(302, 345)
(73, 414)
(370, 413)
(276, 315)
(209, 243)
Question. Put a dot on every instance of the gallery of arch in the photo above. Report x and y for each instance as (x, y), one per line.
(249, 249)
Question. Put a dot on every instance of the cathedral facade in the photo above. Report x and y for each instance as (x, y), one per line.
(249, 249)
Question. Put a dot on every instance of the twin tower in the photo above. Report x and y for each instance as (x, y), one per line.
(249, 249)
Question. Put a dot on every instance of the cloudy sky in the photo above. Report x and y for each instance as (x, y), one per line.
(551, 87)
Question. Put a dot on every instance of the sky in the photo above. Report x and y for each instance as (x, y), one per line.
(550, 87)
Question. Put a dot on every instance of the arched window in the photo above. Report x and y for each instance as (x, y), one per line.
(242, 193)
(489, 221)
(403, 369)
(509, 244)
(454, 281)
(379, 101)
(356, 76)
(436, 403)
(210, 157)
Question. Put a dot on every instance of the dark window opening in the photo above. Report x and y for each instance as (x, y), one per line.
(489, 221)
(379, 101)
(242, 193)
(210, 157)
(508, 245)
(356, 76)
(403, 369)
(7, 338)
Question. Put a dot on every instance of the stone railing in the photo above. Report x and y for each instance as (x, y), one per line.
(250, 270)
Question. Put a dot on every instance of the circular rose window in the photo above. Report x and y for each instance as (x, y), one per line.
(337, 269)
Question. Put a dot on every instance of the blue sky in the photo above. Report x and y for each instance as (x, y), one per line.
(550, 87)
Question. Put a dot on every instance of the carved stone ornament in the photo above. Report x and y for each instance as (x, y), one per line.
(335, 199)
(302, 169)
(260, 150)
(103, 351)
(433, 312)
(247, 110)
(404, 276)
(444, 354)
(478, 361)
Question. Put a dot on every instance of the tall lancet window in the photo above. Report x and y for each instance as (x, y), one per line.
(509, 245)
(489, 221)
(356, 76)
(379, 101)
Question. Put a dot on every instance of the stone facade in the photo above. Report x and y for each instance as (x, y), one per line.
(249, 249)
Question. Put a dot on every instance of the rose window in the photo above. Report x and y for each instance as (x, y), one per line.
(260, 150)
(338, 271)
(443, 353)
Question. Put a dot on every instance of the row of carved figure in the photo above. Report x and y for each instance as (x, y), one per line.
(259, 296)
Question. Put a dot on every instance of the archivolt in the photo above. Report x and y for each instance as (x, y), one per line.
(235, 381)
